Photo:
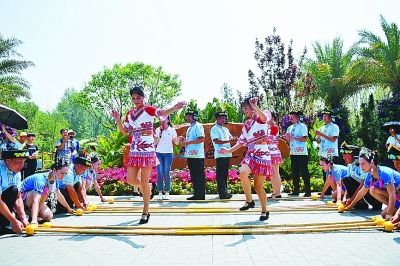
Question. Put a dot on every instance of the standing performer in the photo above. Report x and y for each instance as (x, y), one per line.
(297, 135)
(221, 138)
(194, 153)
(258, 158)
(142, 154)
(354, 180)
(327, 139)
(276, 157)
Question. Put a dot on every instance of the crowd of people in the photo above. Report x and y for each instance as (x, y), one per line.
(358, 184)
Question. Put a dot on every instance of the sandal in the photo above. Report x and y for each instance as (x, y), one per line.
(273, 196)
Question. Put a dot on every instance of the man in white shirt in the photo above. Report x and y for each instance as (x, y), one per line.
(221, 138)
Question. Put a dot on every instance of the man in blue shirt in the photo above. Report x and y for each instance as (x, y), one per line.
(221, 138)
(327, 139)
(10, 197)
(65, 147)
(297, 135)
(71, 187)
(194, 153)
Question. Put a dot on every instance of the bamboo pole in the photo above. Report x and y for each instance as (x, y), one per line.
(201, 227)
(215, 200)
(209, 231)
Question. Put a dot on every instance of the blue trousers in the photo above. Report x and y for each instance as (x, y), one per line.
(163, 171)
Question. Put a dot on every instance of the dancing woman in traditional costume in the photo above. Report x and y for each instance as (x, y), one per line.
(257, 160)
(142, 155)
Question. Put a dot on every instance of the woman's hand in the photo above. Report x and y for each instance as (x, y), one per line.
(253, 102)
(180, 105)
(115, 115)
(395, 218)
(388, 217)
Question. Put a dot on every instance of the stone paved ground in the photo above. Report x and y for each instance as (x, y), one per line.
(373, 247)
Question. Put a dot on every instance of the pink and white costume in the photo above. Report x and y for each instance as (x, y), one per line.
(139, 122)
(273, 132)
(254, 136)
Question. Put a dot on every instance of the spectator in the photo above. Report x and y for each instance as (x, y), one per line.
(64, 147)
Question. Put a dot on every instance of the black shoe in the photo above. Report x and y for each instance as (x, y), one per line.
(145, 221)
(293, 194)
(227, 196)
(273, 196)
(307, 194)
(6, 231)
(136, 194)
(248, 205)
(196, 198)
(264, 218)
(153, 190)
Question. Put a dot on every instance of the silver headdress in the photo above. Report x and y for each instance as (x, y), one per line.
(367, 153)
(327, 156)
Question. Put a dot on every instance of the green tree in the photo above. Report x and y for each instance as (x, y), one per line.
(329, 71)
(370, 131)
(78, 118)
(12, 85)
(46, 126)
(108, 89)
(380, 62)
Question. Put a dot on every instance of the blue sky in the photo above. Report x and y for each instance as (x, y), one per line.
(207, 43)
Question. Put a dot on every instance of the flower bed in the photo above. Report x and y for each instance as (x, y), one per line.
(112, 182)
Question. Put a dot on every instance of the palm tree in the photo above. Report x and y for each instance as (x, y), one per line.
(380, 61)
(329, 71)
(12, 85)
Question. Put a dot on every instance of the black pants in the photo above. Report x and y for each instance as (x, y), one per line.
(222, 175)
(59, 207)
(9, 196)
(196, 169)
(300, 166)
(351, 186)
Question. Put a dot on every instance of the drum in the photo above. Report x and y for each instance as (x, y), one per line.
(284, 148)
